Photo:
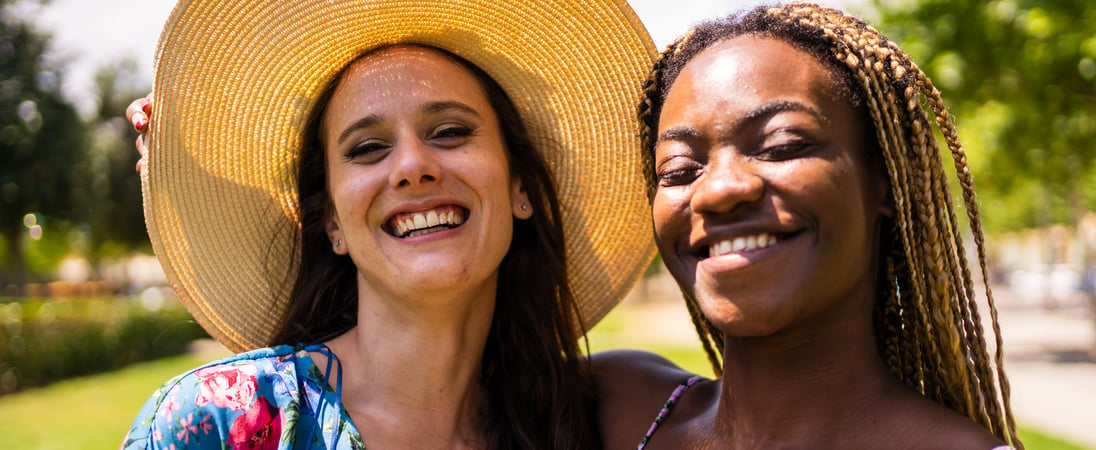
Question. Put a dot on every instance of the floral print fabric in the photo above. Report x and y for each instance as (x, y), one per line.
(267, 399)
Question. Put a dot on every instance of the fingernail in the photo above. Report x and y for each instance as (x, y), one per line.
(146, 106)
(140, 124)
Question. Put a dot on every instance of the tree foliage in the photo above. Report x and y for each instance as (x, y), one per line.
(1020, 76)
(41, 137)
(114, 213)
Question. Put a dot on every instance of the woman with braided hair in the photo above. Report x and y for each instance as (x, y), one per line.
(800, 200)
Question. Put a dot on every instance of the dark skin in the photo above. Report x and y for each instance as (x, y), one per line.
(768, 211)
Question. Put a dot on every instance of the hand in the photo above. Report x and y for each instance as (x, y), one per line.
(138, 114)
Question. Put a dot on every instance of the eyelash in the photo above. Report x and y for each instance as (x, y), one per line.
(683, 173)
(451, 132)
(364, 149)
(677, 177)
(783, 152)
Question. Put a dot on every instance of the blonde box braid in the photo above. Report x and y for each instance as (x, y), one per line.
(928, 328)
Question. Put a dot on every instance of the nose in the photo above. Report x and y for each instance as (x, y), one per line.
(414, 164)
(728, 182)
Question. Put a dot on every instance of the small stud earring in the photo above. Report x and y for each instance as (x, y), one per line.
(523, 207)
(338, 245)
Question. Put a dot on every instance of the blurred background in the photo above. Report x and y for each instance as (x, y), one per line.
(88, 327)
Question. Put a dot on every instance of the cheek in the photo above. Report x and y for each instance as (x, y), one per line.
(351, 193)
(669, 215)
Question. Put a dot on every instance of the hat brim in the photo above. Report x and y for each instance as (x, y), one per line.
(235, 81)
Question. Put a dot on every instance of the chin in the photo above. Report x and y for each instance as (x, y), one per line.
(748, 319)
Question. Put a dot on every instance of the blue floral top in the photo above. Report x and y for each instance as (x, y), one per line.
(271, 398)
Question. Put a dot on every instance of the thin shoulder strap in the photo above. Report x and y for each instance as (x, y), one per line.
(668, 407)
(318, 409)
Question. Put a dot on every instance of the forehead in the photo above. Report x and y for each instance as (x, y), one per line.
(736, 78)
(406, 66)
(401, 81)
(756, 64)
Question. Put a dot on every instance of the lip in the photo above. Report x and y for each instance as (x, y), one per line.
(407, 210)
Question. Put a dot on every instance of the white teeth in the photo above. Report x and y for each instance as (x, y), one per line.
(738, 245)
(741, 244)
(419, 223)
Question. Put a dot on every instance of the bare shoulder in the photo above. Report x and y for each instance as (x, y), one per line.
(952, 430)
(635, 372)
(632, 386)
(927, 424)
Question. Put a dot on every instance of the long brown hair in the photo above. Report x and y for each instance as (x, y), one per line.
(539, 389)
(926, 318)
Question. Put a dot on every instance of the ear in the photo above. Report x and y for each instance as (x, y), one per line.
(522, 208)
(335, 235)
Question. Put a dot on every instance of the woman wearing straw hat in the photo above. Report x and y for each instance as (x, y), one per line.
(360, 196)
(800, 200)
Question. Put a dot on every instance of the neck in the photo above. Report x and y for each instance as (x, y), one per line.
(793, 388)
(412, 368)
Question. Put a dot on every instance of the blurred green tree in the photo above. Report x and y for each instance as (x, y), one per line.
(42, 138)
(115, 219)
(1020, 76)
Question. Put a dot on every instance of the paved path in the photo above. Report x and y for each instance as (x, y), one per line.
(1050, 366)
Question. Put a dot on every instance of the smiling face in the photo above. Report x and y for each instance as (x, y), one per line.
(421, 192)
(765, 210)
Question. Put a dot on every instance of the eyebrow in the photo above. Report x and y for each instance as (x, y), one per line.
(429, 108)
(437, 107)
(762, 112)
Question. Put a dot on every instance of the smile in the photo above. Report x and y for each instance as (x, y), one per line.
(410, 225)
(741, 244)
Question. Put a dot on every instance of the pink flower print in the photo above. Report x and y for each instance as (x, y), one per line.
(229, 387)
(205, 425)
(185, 429)
(170, 405)
(260, 428)
(188, 427)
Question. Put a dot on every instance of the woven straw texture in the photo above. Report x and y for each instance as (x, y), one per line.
(234, 81)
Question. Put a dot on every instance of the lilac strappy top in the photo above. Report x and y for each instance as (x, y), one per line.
(668, 407)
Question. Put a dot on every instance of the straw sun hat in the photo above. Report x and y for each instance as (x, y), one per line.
(235, 80)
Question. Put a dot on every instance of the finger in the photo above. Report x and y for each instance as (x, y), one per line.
(137, 113)
(142, 146)
(140, 122)
(135, 107)
(142, 149)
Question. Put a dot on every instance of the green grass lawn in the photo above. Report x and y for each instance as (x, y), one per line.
(84, 413)
(95, 412)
